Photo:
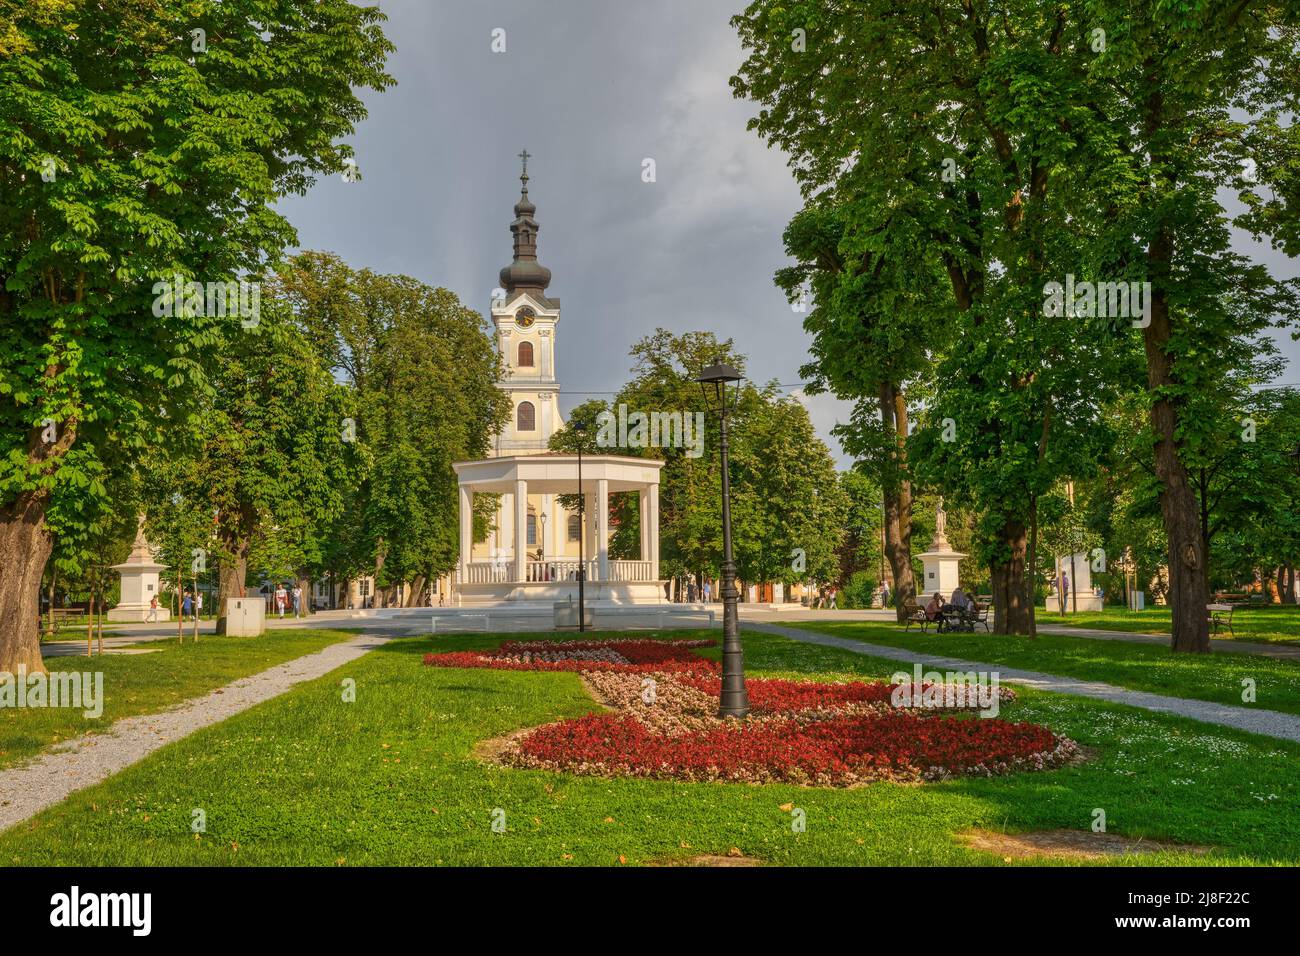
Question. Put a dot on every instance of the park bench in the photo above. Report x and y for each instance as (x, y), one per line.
(953, 618)
(63, 614)
(981, 612)
(916, 615)
(1221, 617)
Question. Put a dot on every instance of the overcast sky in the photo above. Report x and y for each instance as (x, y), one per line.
(591, 88)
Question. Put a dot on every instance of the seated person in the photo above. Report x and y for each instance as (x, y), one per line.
(960, 599)
(933, 608)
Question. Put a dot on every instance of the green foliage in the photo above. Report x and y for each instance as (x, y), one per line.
(786, 497)
(998, 151)
(266, 469)
(422, 371)
(127, 158)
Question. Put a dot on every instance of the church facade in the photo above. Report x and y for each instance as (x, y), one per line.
(537, 546)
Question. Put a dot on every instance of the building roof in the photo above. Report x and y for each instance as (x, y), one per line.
(525, 273)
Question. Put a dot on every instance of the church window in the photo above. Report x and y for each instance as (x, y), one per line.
(526, 417)
(575, 527)
(525, 354)
(532, 530)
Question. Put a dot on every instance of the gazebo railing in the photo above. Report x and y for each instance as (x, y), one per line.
(554, 571)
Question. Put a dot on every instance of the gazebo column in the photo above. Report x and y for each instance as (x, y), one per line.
(466, 531)
(643, 504)
(548, 534)
(589, 529)
(602, 528)
(651, 528)
(521, 529)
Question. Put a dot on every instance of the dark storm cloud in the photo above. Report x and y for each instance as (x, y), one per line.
(591, 88)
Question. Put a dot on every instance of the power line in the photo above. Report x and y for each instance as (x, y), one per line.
(565, 391)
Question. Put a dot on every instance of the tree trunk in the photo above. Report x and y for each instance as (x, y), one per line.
(1288, 582)
(1031, 565)
(25, 546)
(305, 585)
(230, 580)
(1010, 615)
(416, 597)
(1189, 591)
(897, 492)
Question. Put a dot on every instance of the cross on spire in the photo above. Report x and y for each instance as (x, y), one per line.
(524, 156)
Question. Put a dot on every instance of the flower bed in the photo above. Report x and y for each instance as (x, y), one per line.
(839, 751)
(623, 656)
(772, 696)
(666, 726)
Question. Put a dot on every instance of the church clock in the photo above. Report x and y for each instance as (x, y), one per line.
(524, 317)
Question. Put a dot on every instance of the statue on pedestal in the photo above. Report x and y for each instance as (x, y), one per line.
(940, 542)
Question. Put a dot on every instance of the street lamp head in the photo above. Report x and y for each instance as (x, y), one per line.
(713, 383)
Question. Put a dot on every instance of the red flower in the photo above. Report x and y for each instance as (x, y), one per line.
(840, 750)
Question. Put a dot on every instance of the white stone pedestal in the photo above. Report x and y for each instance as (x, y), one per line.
(1080, 596)
(140, 577)
(941, 574)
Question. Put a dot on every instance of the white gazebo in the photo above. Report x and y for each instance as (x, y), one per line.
(502, 569)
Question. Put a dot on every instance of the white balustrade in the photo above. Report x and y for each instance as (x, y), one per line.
(558, 570)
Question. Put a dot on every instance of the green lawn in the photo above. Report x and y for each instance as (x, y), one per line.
(1214, 677)
(144, 683)
(1274, 624)
(308, 779)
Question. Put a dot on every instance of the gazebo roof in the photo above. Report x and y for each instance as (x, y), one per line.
(557, 473)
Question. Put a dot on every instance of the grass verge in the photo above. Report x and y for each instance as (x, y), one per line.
(309, 779)
(147, 683)
(1213, 677)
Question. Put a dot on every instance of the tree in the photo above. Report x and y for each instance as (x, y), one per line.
(787, 506)
(861, 550)
(871, 340)
(424, 372)
(1032, 143)
(947, 164)
(272, 462)
(134, 150)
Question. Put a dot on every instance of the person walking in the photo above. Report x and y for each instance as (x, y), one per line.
(198, 605)
(281, 599)
(152, 616)
(708, 591)
(884, 594)
(834, 592)
(187, 605)
(297, 600)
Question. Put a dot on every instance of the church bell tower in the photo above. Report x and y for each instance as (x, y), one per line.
(525, 320)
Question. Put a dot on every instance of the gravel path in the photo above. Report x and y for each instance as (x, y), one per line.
(1281, 652)
(1270, 723)
(89, 759)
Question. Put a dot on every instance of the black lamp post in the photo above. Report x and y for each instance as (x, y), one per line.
(580, 435)
(735, 698)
